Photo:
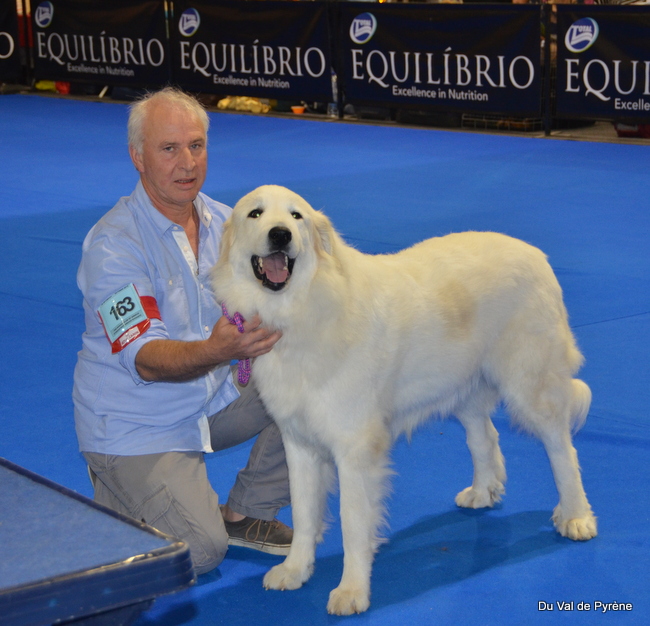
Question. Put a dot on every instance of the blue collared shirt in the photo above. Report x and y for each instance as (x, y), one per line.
(116, 412)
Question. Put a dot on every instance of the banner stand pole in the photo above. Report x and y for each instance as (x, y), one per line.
(546, 87)
(25, 31)
(336, 56)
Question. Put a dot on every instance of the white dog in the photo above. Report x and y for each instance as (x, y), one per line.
(373, 345)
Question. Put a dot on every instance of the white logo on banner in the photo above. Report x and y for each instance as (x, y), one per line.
(581, 35)
(44, 14)
(189, 22)
(363, 27)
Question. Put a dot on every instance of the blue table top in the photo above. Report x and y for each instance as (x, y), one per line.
(64, 557)
(45, 534)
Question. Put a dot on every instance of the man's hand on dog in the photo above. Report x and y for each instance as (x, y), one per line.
(229, 344)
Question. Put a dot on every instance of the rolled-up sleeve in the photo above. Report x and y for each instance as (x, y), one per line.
(110, 262)
(127, 356)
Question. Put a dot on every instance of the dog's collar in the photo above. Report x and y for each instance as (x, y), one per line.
(244, 365)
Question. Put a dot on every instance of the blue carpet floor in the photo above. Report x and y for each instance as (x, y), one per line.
(64, 163)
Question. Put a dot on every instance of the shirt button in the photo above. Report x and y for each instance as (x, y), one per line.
(207, 329)
(171, 282)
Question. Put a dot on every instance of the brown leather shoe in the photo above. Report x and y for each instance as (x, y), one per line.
(272, 537)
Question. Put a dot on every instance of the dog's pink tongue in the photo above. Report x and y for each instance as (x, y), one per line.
(274, 267)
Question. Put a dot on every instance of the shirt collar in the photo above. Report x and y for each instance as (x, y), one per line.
(204, 214)
(162, 223)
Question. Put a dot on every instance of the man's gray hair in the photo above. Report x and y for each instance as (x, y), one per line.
(170, 95)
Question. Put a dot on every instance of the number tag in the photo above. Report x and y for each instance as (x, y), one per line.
(124, 317)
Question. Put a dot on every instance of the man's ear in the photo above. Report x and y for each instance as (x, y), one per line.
(136, 157)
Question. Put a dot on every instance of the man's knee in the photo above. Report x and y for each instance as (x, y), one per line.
(203, 531)
(164, 501)
(210, 559)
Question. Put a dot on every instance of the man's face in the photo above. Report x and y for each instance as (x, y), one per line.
(174, 158)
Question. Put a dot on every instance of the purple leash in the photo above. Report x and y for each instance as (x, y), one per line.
(244, 365)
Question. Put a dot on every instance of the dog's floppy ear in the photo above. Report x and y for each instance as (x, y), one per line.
(324, 232)
(227, 237)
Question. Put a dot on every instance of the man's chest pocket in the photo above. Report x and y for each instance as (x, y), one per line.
(175, 307)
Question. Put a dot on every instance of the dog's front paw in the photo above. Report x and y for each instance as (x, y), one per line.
(473, 498)
(576, 528)
(285, 578)
(345, 601)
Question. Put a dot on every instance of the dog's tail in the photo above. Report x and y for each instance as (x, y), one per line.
(580, 404)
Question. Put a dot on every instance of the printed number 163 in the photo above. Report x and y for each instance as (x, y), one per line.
(121, 308)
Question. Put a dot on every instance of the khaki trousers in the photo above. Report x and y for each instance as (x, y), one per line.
(171, 491)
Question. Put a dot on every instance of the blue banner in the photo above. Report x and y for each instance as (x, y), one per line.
(603, 62)
(10, 65)
(123, 42)
(263, 49)
(446, 57)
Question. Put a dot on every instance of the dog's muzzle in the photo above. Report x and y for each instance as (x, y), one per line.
(275, 269)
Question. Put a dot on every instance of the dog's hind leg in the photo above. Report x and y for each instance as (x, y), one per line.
(483, 442)
(573, 517)
(363, 472)
(550, 413)
(310, 476)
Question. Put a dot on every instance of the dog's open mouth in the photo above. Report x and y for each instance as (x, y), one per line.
(274, 270)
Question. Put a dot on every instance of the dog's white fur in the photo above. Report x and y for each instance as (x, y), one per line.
(373, 345)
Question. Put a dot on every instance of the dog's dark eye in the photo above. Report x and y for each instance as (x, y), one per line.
(296, 215)
(255, 213)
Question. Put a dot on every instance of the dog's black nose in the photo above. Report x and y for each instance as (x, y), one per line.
(279, 237)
